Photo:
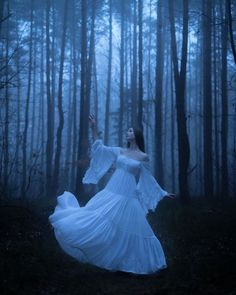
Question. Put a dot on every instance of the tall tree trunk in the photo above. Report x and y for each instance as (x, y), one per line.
(207, 97)
(108, 93)
(25, 133)
(96, 97)
(90, 60)
(158, 98)
(149, 80)
(231, 35)
(74, 102)
(18, 116)
(121, 112)
(59, 101)
(140, 57)
(180, 82)
(34, 67)
(224, 107)
(216, 106)
(134, 70)
(173, 183)
(68, 147)
(41, 122)
(2, 2)
(49, 146)
(54, 70)
(6, 123)
(83, 127)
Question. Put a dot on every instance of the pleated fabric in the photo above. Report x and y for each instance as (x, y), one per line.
(111, 231)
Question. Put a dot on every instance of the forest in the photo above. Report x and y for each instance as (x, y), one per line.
(167, 67)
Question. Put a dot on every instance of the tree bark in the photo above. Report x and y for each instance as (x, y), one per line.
(25, 132)
(74, 114)
(140, 57)
(134, 69)
(158, 98)
(224, 107)
(108, 92)
(180, 83)
(231, 35)
(7, 106)
(83, 126)
(121, 111)
(59, 101)
(207, 97)
(49, 145)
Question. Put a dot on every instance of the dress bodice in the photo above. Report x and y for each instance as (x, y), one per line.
(128, 164)
(131, 178)
(124, 179)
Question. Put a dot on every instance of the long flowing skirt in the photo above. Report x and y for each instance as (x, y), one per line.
(111, 232)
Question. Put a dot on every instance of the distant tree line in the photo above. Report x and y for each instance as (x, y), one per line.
(167, 67)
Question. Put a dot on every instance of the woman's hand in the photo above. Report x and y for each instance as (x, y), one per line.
(92, 121)
(171, 196)
(93, 126)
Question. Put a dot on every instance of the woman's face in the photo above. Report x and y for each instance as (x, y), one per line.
(130, 136)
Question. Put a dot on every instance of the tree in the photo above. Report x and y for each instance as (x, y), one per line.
(25, 133)
(134, 69)
(159, 90)
(180, 85)
(121, 113)
(207, 98)
(83, 123)
(108, 91)
(59, 101)
(224, 105)
(140, 58)
(230, 23)
(49, 145)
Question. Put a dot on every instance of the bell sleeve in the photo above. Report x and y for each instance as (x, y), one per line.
(148, 190)
(101, 159)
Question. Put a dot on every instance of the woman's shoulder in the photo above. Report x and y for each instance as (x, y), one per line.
(140, 155)
(144, 156)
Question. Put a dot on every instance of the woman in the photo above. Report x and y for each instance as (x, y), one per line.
(111, 231)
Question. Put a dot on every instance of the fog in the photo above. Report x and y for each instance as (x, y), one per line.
(168, 70)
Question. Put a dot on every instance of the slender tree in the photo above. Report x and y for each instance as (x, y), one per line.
(207, 98)
(75, 53)
(158, 96)
(83, 127)
(25, 132)
(122, 41)
(91, 56)
(224, 105)
(108, 91)
(1, 13)
(59, 102)
(230, 23)
(216, 100)
(140, 58)
(7, 106)
(134, 68)
(180, 85)
(49, 145)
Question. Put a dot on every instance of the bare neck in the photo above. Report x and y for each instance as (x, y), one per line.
(133, 146)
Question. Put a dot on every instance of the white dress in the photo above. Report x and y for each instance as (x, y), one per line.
(111, 231)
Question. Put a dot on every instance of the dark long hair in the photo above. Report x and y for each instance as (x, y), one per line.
(139, 138)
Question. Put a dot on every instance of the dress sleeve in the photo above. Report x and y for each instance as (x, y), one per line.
(101, 159)
(148, 190)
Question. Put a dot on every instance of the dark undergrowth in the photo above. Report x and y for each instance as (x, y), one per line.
(199, 240)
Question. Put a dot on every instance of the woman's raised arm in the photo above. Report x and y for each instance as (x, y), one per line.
(93, 126)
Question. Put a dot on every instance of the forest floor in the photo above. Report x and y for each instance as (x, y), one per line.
(198, 238)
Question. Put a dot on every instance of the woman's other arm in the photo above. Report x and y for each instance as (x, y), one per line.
(93, 126)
